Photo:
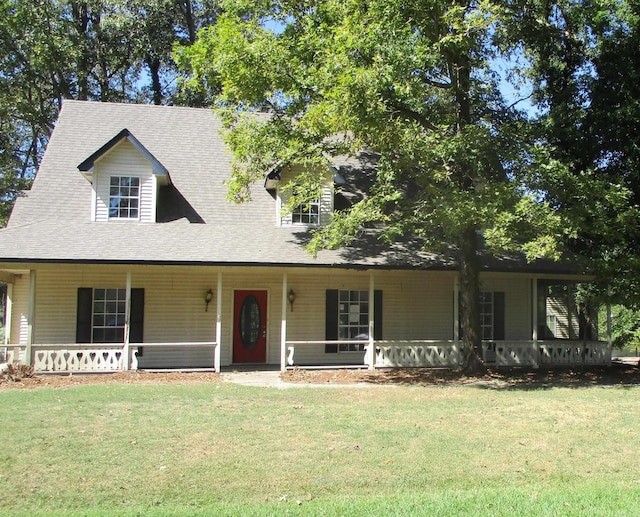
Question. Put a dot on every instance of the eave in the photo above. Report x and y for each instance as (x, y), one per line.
(87, 167)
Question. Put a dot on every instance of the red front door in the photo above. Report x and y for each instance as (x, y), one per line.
(250, 327)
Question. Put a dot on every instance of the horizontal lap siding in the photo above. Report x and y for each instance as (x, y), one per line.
(416, 305)
(175, 312)
(20, 310)
(125, 160)
(56, 300)
(518, 309)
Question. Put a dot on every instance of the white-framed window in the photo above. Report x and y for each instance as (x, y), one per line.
(307, 213)
(486, 316)
(124, 197)
(353, 319)
(108, 315)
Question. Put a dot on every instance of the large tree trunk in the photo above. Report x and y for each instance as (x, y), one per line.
(469, 270)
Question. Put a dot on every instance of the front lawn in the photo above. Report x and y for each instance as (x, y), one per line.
(223, 449)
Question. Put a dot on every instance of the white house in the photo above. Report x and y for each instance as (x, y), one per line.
(126, 253)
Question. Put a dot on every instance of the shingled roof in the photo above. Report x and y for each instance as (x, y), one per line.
(198, 225)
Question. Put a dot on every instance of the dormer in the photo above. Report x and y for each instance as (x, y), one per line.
(125, 178)
(317, 212)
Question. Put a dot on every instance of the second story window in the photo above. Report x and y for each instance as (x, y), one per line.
(124, 197)
(307, 213)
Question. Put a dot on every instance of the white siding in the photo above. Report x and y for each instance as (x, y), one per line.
(125, 160)
(20, 311)
(416, 306)
(517, 303)
(326, 200)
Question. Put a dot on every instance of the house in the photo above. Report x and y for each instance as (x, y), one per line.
(126, 253)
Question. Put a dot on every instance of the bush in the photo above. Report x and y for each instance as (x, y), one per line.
(16, 372)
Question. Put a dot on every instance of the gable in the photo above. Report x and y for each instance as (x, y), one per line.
(124, 161)
(323, 205)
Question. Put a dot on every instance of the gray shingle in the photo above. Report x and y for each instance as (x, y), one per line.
(52, 222)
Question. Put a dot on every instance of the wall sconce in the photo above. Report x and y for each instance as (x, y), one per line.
(208, 296)
(291, 296)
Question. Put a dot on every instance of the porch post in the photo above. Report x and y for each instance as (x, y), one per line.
(534, 296)
(217, 353)
(569, 301)
(31, 312)
(126, 363)
(8, 315)
(283, 326)
(372, 300)
(609, 338)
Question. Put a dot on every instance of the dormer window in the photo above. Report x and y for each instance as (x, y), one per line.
(124, 197)
(307, 213)
(126, 179)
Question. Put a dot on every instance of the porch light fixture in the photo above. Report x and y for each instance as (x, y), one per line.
(291, 296)
(208, 296)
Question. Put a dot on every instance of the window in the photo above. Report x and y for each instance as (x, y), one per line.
(124, 197)
(486, 316)
(109, 307)
(307, 213)
(347, 319)
(353, 319)
(101, 315)
(492, 316)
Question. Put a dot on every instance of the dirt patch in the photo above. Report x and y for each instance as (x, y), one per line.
(616, 375)
(132, 377)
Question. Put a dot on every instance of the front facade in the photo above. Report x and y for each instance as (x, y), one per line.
(127, 254)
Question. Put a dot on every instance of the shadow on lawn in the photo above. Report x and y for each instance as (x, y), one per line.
(517, 378)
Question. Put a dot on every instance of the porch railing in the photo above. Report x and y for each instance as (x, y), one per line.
(89, 358)
(418, 353)
(501, 354)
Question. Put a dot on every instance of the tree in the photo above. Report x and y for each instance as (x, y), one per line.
(585, 62)
(411, 82)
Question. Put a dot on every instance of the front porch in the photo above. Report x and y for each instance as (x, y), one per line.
(342, 318)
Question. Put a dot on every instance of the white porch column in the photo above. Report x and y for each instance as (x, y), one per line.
(371, 352)
(126, 364)
(8, 315)
(534, 296)
(31, 313)
(218, 352)
(283, 326)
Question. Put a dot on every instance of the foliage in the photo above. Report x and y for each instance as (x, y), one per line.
(413, 84)
(585, 66)
(625, 328)
(15, 372)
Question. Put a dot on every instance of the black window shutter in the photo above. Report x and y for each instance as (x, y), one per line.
(498, 316)
(136, 319)
(331, 321)
(377, 314)
(83, 315)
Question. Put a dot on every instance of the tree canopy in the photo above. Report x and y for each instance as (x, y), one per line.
(415, 83)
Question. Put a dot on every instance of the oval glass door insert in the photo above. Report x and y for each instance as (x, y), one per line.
(250, 322)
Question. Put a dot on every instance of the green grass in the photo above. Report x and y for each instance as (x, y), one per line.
(224, 449)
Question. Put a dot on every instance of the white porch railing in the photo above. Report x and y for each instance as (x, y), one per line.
(88, 358)
(418, 353)
(534, 354)
(574, 352)
(502, 354)
(291, 349)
